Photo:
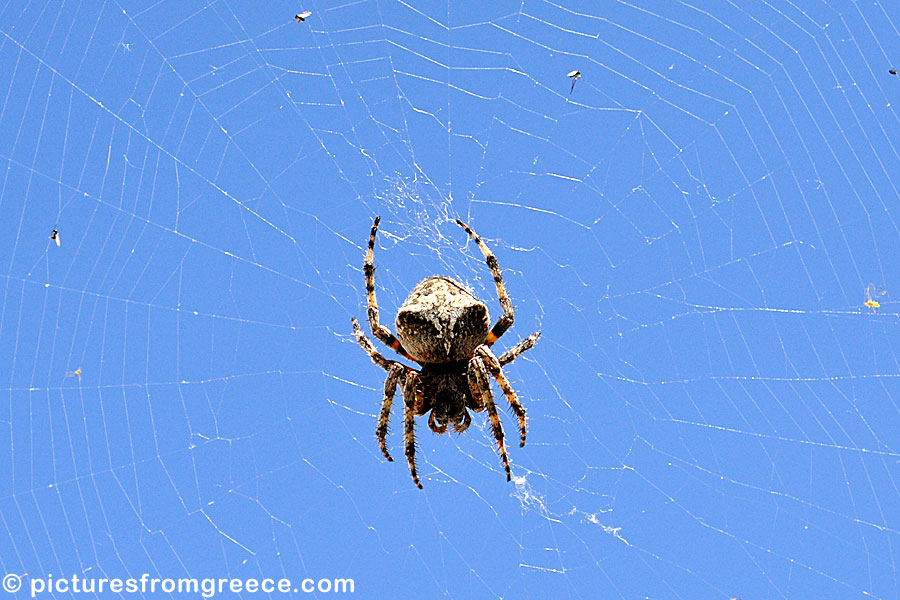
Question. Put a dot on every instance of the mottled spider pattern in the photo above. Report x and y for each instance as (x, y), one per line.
(446, 330)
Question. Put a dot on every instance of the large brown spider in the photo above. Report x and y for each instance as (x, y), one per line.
(445, 329)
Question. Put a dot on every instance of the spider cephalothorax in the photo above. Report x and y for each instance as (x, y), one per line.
(445, 329)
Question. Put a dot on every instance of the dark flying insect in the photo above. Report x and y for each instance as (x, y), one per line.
(573, 75)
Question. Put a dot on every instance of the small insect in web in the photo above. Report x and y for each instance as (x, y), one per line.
(893, 71)
(303, 16)
(55, 237)
(873, 293)
(574, 76)
(75, 373)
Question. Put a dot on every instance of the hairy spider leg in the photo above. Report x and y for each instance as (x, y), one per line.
(395, 375)
(482, 383)
(369, 347)
(526, 344)
(378, 330)
(493, 365)
(506, 320)
(409, 422)
(474, 390)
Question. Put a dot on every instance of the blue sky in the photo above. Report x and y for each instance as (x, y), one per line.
(712, 411)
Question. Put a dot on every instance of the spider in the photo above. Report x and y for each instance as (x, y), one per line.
(446, 330)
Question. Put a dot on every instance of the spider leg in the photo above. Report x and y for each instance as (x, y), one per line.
(409, 422)
(484, 388)
(493, 365)
(369, 347)
(378, 330)
(474, 390)
(505, 321)
(526, 344)
(395, 374)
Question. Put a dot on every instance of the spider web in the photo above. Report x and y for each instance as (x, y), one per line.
(713, 412)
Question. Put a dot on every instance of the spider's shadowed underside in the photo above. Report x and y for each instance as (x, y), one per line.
(447, 331)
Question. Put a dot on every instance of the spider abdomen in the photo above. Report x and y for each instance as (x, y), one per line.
(441, 321)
